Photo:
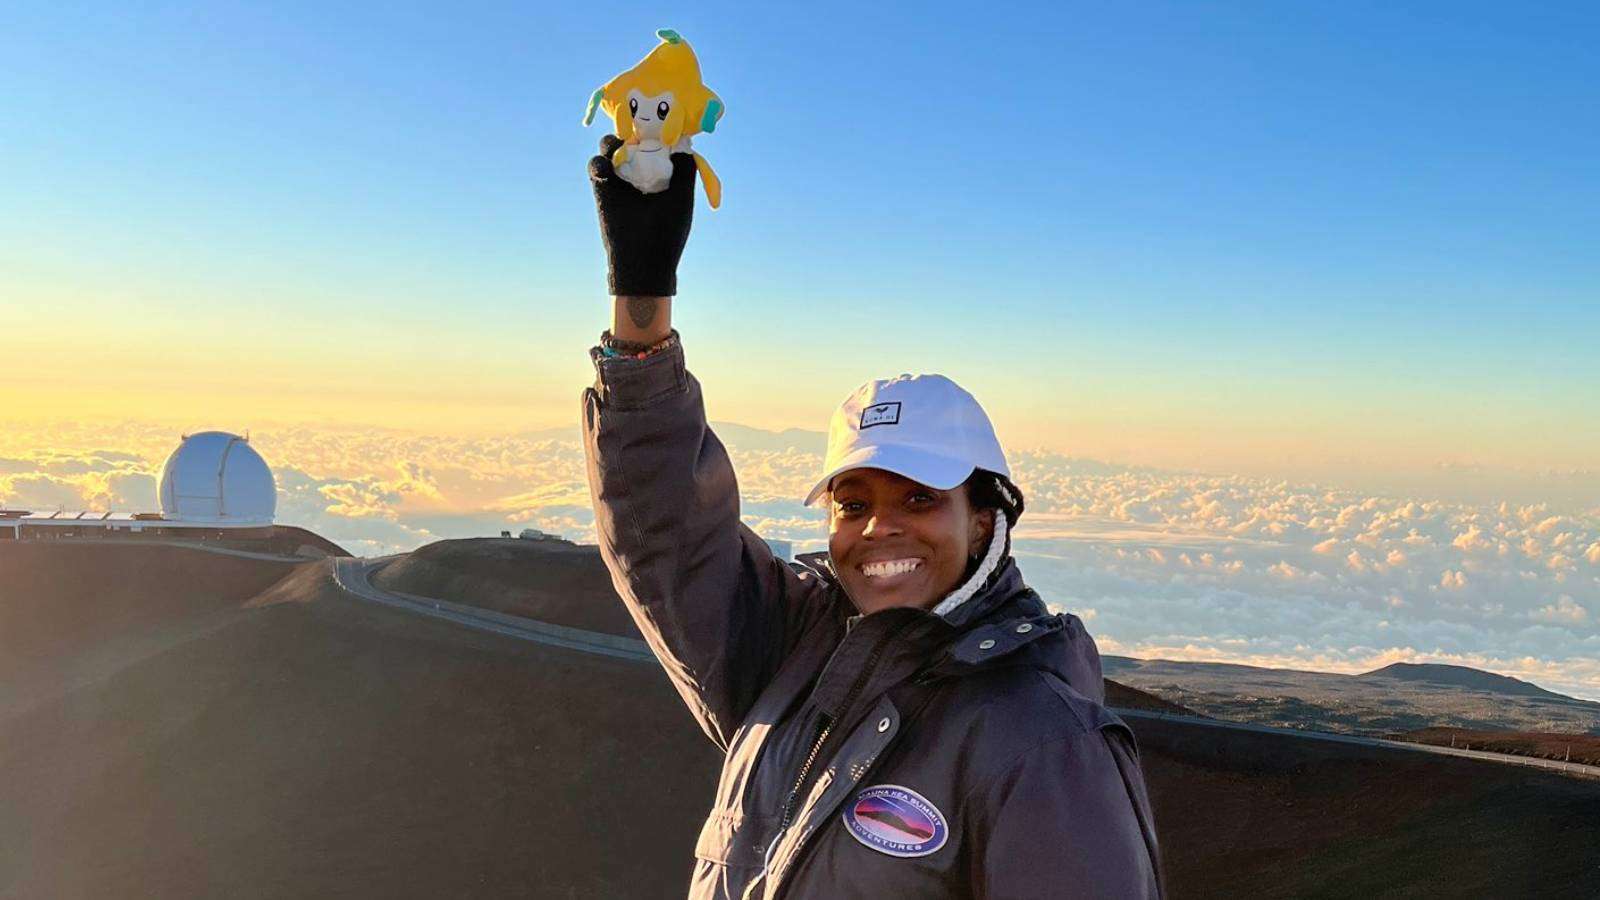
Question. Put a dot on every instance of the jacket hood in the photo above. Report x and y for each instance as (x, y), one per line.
(1001, 622)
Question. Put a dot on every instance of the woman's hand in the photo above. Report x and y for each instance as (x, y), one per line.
(644, 236)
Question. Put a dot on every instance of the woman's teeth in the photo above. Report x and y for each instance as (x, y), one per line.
(889, 567)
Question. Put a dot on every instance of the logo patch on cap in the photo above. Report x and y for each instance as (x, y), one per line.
(882, 414)
(896, 820)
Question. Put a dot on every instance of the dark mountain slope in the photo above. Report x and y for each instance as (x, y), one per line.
(550, 580)
(1463, 677)
(327, 747)
(59, 595)
(307, 743)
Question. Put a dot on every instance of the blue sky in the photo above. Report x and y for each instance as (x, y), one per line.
(1339, 258)
(1177, 234)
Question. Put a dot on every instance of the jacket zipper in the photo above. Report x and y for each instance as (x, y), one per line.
(824, 728)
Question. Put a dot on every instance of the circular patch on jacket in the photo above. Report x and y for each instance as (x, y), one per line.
(896, 820)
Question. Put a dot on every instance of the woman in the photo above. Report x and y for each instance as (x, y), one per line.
(902, 718)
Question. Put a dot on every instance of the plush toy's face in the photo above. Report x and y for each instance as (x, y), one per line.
(649, 112)
(656, 105)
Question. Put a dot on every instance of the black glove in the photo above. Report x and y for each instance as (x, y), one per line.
(644, 233)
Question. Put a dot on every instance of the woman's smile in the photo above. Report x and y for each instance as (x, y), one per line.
(886, 571)
(897, 542)
(892, 576)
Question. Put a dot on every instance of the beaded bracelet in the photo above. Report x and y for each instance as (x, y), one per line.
(612, 347)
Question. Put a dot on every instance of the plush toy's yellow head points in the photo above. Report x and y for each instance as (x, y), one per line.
(661, 97)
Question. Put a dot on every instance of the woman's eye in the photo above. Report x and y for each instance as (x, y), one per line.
(850, 507)
(661, 109)
(921, 498)
(633, 107)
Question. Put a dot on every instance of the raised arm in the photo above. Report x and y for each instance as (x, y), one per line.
(717, 608)
(641, 320)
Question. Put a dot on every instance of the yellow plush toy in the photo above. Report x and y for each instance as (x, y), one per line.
(656, 106)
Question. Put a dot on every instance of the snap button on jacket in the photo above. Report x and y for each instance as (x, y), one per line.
(902, 754)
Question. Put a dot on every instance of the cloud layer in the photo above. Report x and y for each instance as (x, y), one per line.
(1160, 564)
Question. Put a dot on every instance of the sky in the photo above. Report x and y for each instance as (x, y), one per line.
(1338, 250)
(1341, 241)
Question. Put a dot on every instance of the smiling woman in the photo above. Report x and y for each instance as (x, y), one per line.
(914, 479)
(901, 716)
(896, 542)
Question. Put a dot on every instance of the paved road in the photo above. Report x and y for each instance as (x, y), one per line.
(352, 574)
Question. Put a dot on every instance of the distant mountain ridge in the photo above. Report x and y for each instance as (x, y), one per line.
(741, 437)
(744, 437)
(1430, 673)
(1465, 677)
(1394, 699)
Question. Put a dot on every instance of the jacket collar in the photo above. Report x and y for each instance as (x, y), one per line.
(1004, 613)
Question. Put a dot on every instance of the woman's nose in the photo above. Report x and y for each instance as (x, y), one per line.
(879, 525)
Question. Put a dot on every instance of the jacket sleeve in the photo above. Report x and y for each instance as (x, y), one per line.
(718, 609)
(1069, 818)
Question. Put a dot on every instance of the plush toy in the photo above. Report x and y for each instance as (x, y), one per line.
(656, 106)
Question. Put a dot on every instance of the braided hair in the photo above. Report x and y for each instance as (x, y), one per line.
(991, 490)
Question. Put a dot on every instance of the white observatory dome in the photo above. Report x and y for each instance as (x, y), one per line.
(216, 477)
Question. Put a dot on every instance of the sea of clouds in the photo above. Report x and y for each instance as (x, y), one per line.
(1166, 564)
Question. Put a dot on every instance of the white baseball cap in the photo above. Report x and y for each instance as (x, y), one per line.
(924, 427)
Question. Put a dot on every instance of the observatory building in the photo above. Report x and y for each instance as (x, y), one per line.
(219, 480)
(214, 487)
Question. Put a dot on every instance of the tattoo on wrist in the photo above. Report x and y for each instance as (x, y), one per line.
(642, 310)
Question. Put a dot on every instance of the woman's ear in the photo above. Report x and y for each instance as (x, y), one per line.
(980, 532)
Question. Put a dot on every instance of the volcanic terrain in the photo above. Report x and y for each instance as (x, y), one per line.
(183, 724)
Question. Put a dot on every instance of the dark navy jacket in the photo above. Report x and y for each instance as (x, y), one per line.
(898, 755)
